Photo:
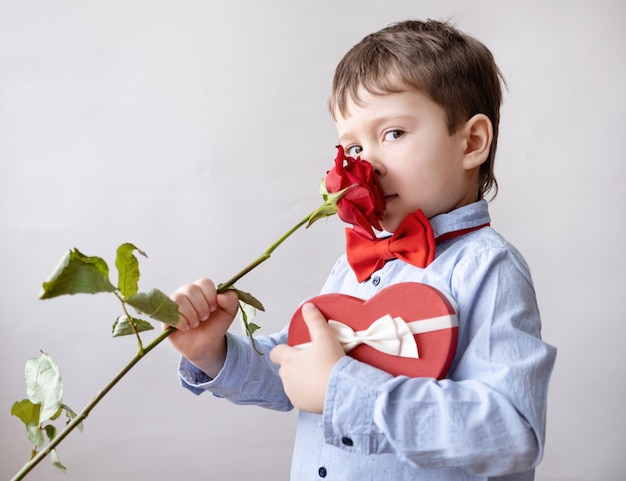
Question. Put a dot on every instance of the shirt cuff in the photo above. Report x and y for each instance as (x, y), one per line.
(192, 378)
(197, 381)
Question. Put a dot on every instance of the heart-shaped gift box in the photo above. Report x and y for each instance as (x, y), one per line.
(375, 331)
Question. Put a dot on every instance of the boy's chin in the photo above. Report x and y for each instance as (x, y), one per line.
(390, 222)
(390, 225)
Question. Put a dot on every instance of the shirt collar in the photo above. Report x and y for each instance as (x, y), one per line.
(465, 217)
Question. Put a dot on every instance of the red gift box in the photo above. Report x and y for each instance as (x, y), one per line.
(408, 329)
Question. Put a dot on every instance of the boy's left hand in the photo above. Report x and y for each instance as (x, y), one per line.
(305, 372)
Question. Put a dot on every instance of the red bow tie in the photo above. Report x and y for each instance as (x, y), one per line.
(413, 242)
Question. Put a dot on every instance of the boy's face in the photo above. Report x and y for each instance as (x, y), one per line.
(420, 165)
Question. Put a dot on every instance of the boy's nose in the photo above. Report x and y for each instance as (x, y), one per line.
(377, 165)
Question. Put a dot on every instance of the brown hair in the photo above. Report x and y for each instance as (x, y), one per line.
(457, 71)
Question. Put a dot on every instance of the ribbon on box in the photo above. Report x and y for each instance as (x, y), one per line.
(375, 331)
(391, 335)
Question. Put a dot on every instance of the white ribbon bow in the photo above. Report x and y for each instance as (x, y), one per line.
(390, 335)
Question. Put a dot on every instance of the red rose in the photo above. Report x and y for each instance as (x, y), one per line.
(364, 203)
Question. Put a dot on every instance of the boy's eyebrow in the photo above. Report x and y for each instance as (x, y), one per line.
(392, 118)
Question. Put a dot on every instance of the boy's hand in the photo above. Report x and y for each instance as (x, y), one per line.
(305, 372)
(205, 316)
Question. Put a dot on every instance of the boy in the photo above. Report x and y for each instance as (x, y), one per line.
(420, 102)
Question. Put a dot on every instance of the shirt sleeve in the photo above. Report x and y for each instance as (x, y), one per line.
(257, 384)
(488, 417)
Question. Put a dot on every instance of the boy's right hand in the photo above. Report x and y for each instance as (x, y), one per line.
(205, 317)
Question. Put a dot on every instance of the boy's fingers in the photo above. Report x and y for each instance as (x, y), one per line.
(196, 301)
(277, 355)
(319, 331)
(316, 322)
(228, 301)
(207, 290)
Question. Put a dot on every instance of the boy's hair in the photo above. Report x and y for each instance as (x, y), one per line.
(455, 70)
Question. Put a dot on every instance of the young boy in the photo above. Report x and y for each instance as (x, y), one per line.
(419, 101)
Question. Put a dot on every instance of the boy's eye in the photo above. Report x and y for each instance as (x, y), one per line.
(354, 150)
(393, 135)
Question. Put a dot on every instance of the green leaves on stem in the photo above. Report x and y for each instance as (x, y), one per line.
(128, 269)
(77, 273)
(44, 388)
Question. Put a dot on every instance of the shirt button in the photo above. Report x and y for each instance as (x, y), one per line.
(322, 472)
(347, 441)
(375, 280)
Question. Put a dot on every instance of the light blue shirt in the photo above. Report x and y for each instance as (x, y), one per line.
(486, 421)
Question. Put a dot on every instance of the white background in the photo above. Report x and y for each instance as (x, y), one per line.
(198, 130)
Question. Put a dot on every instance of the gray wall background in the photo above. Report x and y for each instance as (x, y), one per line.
(198, 131)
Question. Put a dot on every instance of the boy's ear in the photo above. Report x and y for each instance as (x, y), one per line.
(478, 137)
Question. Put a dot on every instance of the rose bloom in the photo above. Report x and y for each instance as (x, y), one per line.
(364, 203)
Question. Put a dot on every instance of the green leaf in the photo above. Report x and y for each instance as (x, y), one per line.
(54, 458)
(156, 305)
(252, 328)
(27, 411)
(57, 414)
(35, 435)
(247, 313)
(44, 385)
(248, 298)
(123, 327)
(77, 273)
(51, 431)
(128, 269)
(71, 415)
